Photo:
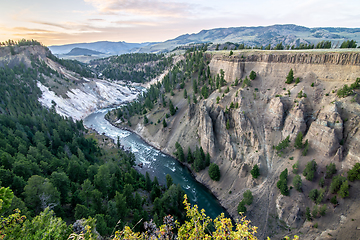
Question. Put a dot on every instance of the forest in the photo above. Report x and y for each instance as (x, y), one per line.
(136, 67)
(50, 163)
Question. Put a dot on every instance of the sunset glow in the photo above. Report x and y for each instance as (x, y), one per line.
(70, 21)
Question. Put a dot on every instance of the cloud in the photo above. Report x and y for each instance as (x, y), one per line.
(144, 7)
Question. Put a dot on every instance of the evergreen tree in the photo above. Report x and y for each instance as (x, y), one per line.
(214, 172)
(255, 171)
(290, 77)
(172, 109)
(190, 158)
(169, 181)
(164, 123)
(298, 140)
(297, 183)
(207, 160)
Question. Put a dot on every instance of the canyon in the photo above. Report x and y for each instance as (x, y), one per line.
(268, 111)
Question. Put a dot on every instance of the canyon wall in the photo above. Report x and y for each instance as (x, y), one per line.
(268, 111)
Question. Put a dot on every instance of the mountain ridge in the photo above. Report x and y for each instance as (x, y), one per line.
(288, 34)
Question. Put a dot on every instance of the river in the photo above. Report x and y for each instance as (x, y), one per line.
(157, 163)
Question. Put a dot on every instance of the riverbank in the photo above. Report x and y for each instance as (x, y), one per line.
(186, 165)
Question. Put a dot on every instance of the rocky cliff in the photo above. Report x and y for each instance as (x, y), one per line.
(267, 112)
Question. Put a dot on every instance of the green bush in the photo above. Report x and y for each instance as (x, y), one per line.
(255, 171)
(248, 197)
(241, 207)
(214, 172)
(252, 75)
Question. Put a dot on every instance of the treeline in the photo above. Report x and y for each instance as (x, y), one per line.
(48, 162)
(134, 67)
(320, 45)
(22, 42)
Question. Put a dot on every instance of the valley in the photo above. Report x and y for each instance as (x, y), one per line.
(272, 134)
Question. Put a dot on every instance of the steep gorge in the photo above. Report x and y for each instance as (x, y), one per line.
(269, 111)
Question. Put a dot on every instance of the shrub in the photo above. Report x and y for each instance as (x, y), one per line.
(322, 210)
(296, 167)
(248, 197)
(252, 75)
(214, 172)
(333, 200)
(241, 207)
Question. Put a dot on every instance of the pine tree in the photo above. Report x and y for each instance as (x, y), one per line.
(298, 140)
(172, 109)
(255, 171)
(290, 77)
(190, 158)
(164, 123)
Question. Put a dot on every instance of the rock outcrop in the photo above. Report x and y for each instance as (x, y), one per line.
(276, 113)
(294, 122)
(289, 209)
(206, 131)
(325, 132)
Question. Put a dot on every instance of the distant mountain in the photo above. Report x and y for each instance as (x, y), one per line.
(113, 48)
(287, 34)
(82, 51)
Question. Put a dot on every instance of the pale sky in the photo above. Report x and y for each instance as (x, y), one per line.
(73, 21)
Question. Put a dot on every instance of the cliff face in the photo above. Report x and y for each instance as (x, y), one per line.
(268, 111)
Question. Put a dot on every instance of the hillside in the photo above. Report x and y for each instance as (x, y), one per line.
(242, 125)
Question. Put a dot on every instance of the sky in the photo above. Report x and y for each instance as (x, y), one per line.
(75, 21)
